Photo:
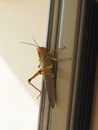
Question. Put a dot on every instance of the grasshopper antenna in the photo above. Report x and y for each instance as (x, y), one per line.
(36, 44)
(29, 44)
(35, 41)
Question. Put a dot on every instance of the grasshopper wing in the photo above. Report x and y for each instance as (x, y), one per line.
(50, 88)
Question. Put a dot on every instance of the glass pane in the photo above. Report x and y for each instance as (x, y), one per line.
(19, 21)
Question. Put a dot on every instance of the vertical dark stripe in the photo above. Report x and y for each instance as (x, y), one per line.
(87, 68)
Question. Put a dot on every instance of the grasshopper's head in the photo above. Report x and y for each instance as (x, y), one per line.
(41, 50)
(42, 53)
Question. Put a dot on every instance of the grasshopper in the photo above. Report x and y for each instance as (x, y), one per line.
(46, 69)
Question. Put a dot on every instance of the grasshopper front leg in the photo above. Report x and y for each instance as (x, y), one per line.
(57, 49)
(58, 59)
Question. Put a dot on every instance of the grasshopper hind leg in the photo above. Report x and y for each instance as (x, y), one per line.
(36, 89)
(39, 95)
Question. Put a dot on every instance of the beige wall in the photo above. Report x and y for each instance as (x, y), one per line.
(19, 20)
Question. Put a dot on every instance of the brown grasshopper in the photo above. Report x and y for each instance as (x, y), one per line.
(46, 69)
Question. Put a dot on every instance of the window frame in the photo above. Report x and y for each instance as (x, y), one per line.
(81, 89)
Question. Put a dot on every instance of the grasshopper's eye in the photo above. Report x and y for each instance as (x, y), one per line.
(39, 54)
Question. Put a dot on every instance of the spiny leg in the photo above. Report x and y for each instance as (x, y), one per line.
(36, 74)
(36, 89)
(51, 75)
(57, 49)
(61, 59)
(29, 81)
